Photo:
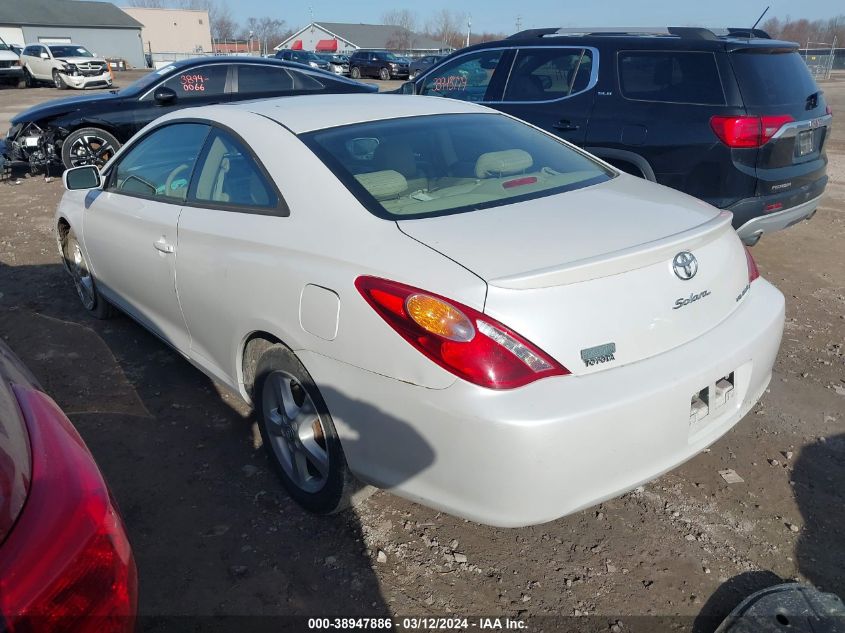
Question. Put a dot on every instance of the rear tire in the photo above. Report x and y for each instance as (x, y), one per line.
(83, 279)
(355, 72)
(384, 74)
(299, 435)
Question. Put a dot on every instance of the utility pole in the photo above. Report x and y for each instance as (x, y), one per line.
(518, 23)
(469, 26)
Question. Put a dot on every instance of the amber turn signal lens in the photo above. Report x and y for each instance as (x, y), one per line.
(440, 318)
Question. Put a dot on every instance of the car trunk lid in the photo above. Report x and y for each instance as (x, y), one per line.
(592, 269)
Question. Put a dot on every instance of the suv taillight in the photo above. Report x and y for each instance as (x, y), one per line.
(463, 341)
(67, 564)
(748, 131)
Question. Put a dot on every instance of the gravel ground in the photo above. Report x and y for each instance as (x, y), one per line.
(214, 534)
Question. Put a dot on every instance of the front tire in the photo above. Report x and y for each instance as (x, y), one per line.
(299, 435)
(28, 79)
(88, 146)
(384, 74)
(58, 81)
(355, 72)
(83, 279)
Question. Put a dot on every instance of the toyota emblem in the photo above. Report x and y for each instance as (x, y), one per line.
(685, 265)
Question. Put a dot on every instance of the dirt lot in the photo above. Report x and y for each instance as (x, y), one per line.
(214, 535)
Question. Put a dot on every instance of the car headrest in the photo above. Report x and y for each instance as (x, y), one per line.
(383, 184)
(504, 163)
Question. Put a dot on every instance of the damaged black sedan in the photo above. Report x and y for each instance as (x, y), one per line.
(88, 130)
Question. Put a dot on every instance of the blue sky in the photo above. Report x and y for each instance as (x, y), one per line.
(500, 15)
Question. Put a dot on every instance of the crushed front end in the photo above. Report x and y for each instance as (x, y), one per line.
(28, 145)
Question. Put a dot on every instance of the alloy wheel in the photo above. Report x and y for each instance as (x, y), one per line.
(296, 431)
(90, 149)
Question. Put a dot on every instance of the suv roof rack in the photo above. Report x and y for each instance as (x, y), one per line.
(684, 32)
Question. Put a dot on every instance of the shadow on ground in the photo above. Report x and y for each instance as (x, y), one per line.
(213, 531)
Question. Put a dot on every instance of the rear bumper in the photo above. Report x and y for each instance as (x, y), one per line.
(751, 219)
(531, 455)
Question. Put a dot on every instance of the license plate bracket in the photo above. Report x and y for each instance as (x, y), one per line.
(806, 142)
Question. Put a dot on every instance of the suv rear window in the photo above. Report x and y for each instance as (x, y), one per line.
(671, 77)
(772, 77)
(426, 166)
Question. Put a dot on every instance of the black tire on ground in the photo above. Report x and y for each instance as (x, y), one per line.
(335, 495)
(355, 72)
(83, 280)
(58, 81)
(28, 79)
(99, 145)
(384, 74)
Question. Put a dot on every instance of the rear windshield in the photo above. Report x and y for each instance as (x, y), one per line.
(453, 163)
(772, 77)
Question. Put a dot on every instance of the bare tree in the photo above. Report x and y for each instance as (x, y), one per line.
(447, 26)
(802, 30)
(266, 31)
(404, 34)
(146, 4)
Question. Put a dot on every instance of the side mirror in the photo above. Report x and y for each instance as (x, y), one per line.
(408, 88)
(164, 96)
(44, 56)
(82, 178)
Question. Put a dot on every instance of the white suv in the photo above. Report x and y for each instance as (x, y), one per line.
(10, 65)
(65, 65)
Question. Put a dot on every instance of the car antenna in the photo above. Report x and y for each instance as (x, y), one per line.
(751, 32)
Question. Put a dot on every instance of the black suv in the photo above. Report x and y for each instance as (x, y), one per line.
(379, 64)
(733, 118)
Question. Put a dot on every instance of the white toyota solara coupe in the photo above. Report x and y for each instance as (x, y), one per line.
(429, 296)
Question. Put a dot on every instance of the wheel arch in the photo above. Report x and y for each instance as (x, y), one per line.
(253, 346)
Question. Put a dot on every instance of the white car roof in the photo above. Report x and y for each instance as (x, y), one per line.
(315, 112)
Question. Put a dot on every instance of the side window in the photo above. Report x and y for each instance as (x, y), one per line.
(228, 175)
(672, 77)
(253, 79)
(199, 82)
(465, 78)
(542, 74)
(160, 165)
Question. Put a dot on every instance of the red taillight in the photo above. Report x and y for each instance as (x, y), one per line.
(67, 564)
(753, 271)
(828, 110)
(463, 341)
(748, 131)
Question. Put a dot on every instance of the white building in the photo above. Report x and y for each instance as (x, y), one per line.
(336, 37)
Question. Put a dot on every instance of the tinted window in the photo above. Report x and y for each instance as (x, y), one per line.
(161, 164)
(259, 79)
(772, 77)
(432, 165)
(668, 76)
(228, 175)
(465, 78)
(199, 82)
(539, 74)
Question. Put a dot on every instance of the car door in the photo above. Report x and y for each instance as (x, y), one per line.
(553, 88)
(41, 68)
(226, 230)
(478, 76)
(130, 227)
(194, 86)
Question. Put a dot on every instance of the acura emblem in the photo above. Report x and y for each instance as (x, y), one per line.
(685, 265)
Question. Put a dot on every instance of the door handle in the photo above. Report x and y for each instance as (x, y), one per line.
(565, 125)
(164, 247)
